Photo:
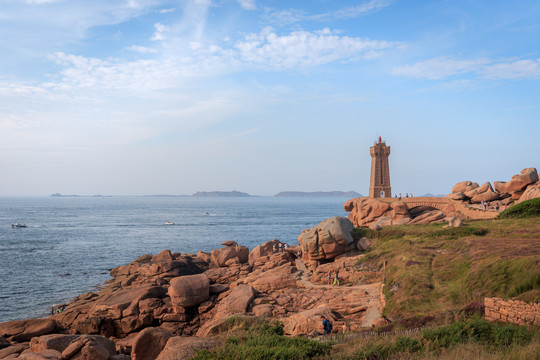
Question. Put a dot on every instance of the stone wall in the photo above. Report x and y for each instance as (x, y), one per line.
(513, 311)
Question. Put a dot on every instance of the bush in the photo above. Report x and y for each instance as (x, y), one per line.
(479, 331)
(526, 209)
(253, 339)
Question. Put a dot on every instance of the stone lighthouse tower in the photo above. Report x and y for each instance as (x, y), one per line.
(379, 186)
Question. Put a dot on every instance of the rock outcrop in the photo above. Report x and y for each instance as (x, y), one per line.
(329, 239)
(513, 190)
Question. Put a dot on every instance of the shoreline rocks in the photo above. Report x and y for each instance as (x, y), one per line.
(161, 303)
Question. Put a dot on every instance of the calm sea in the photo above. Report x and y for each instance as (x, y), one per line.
(70, 244)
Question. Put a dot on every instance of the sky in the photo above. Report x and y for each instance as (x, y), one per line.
(138, 97)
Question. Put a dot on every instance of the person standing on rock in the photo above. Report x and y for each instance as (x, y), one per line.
(329, 278)
(327, 325)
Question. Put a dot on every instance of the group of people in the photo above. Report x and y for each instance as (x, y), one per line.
(407, 195)
(279, 247)
(333, 279)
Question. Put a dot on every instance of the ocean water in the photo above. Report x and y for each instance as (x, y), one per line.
(71, 243)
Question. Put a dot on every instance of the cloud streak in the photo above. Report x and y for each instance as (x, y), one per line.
(445, 67)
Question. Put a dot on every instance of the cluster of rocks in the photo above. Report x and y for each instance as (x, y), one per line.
(466, 196)
(164, 306)
(521, 187)
(376, 213)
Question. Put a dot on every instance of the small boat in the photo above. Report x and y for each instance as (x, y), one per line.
(169, 223)
(206, 213)
(18, 226)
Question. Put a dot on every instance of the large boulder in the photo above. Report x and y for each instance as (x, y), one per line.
(278, 278)
(147, 268)
(520, 182)
(238, 301)
(184, 347)
(261, 251)
(531, 192)
(365, 211)
(229, 255)
(24, 330)
(329, 239)
(58, 342)
(190, 290)
(11, 352)
(149, 343)
(306, 322)
(464, 186)
(86, 347)
(123, 303)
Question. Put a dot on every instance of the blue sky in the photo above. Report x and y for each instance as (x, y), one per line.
(172, 97)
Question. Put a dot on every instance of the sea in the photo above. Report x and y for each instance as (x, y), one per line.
(70, 244)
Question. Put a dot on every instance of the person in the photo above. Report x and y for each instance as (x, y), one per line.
(274, 248)
(329, 278)
(336, 279)
(327, 325)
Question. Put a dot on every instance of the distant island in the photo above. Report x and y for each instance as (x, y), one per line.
(220, 194)
(349, 194)
(75, 195)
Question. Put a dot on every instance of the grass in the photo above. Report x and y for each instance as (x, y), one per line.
(255, 339)
(431, 270)
(472, 339)
(526, 209)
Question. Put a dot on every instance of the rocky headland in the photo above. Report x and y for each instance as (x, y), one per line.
(166, 305)
(468, 200)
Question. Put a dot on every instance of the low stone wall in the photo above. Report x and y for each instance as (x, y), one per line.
(513, 311)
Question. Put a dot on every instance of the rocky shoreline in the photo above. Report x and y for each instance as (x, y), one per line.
(166, 305)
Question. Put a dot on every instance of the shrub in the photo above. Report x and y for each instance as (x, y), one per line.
(479, 331)
(526, 209)
(255, 339)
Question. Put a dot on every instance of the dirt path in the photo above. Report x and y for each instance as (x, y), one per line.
(355, 296)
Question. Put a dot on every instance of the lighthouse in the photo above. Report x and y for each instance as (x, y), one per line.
(379, 186)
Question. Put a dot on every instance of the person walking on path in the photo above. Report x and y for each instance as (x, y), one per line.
(329, 278)
(327, 325)
(336, 279)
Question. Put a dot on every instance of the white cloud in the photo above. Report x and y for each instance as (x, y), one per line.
(444, 67)
(520, 69)
(303, 48)
(247, 4)
(167, 11)
(141, 49)
(159, 33)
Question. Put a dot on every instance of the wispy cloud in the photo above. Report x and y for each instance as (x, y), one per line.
(167, 11)
(362, 9)
(292, 16)
(247, 4)
(439, 68)
(141, 49)
(444, 67)
(266, 51)
(519, 69)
